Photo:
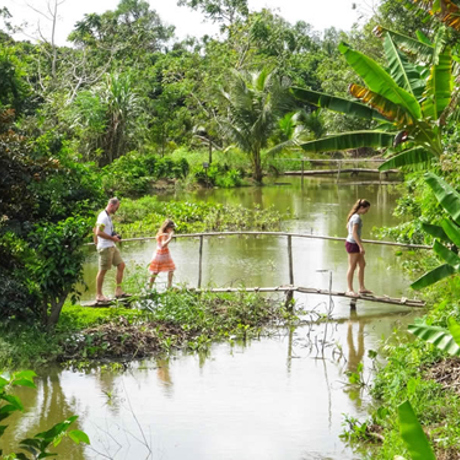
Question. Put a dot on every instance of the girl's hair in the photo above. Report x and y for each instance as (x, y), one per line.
(168, 223)
(358, 205)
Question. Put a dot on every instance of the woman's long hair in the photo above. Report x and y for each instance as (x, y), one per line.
(168, 223)
(358, 205)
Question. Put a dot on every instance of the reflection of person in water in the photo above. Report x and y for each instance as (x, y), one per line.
(355, 357)
(164, 375)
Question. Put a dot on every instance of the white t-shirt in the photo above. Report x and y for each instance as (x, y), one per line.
(354, 219)
(104, 222)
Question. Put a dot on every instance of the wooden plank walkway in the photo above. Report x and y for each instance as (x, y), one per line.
(304, 290)
(283, 289)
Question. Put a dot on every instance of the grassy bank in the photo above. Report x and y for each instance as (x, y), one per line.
(161, 323)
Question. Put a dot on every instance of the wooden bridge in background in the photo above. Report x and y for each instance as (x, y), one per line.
(339, 169)
(289, 289)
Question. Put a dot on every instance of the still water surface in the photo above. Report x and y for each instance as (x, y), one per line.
(272, 398)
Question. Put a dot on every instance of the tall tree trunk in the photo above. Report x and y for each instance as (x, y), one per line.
(257, 167)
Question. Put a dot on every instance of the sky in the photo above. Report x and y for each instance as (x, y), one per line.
(320, 14)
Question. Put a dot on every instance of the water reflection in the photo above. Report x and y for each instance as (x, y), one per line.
(164, 376)
(355, 355)
(44, 407)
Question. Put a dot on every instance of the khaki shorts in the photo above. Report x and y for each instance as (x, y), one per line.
(108, 257)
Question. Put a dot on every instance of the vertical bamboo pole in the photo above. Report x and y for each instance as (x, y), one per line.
(200, 263)
(303, 169)
(290, 294)
(339, 167)
(291, 267)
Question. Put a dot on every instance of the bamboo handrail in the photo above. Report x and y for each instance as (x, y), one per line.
(281, 234)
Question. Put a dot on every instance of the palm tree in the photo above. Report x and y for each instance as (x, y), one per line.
(409, 103)
(254, 103)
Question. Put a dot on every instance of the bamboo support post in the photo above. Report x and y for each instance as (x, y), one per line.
(291, 265)
(200, 263)
(303, 169)
(289, 304)
(339, 167)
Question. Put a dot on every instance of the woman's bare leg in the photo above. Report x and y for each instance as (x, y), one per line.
(352, 262)
(361, 266)
(170, 278)
(152, 279)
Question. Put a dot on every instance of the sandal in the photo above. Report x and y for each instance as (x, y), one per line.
(365, 291)
(103, 300)
(123, 296)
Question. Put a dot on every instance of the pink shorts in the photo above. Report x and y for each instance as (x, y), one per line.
(352, 248)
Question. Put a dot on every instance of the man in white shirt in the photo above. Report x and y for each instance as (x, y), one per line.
(108, 252)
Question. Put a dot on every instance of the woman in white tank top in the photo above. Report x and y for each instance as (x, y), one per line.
(354, 247)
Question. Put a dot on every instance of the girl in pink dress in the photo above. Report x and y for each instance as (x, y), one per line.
(162, 261)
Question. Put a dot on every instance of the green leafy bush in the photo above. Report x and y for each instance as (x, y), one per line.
(144, 217)
(134, 174)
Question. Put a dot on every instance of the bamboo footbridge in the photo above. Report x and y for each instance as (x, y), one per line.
(339, 168)
(290, 288)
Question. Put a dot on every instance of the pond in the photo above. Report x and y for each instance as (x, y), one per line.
(283, 396)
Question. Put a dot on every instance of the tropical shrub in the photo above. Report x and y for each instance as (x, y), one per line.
(45, 203)
(134, 174)
(144, 216)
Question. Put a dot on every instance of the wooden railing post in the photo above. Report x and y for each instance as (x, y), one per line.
(200, 263)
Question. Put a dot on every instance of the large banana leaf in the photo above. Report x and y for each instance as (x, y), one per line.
(423, 38)
(379, 81)
(387, 108)
(351, 140)
(404, 73)
(420, 48)
(454, 329)
(452, 231)
(409, 157)
(447, 255)
(447, 196)
(439, 86)
(413, 435)
(337, 104)
(432, 277)
(438, 336)
(436, 231)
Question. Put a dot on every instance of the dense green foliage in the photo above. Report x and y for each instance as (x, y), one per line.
(144, 216)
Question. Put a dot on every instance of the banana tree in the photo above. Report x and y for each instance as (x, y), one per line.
(407, 101)
(447, 11)
(413, 435)
(447, 234)
(447, 340)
